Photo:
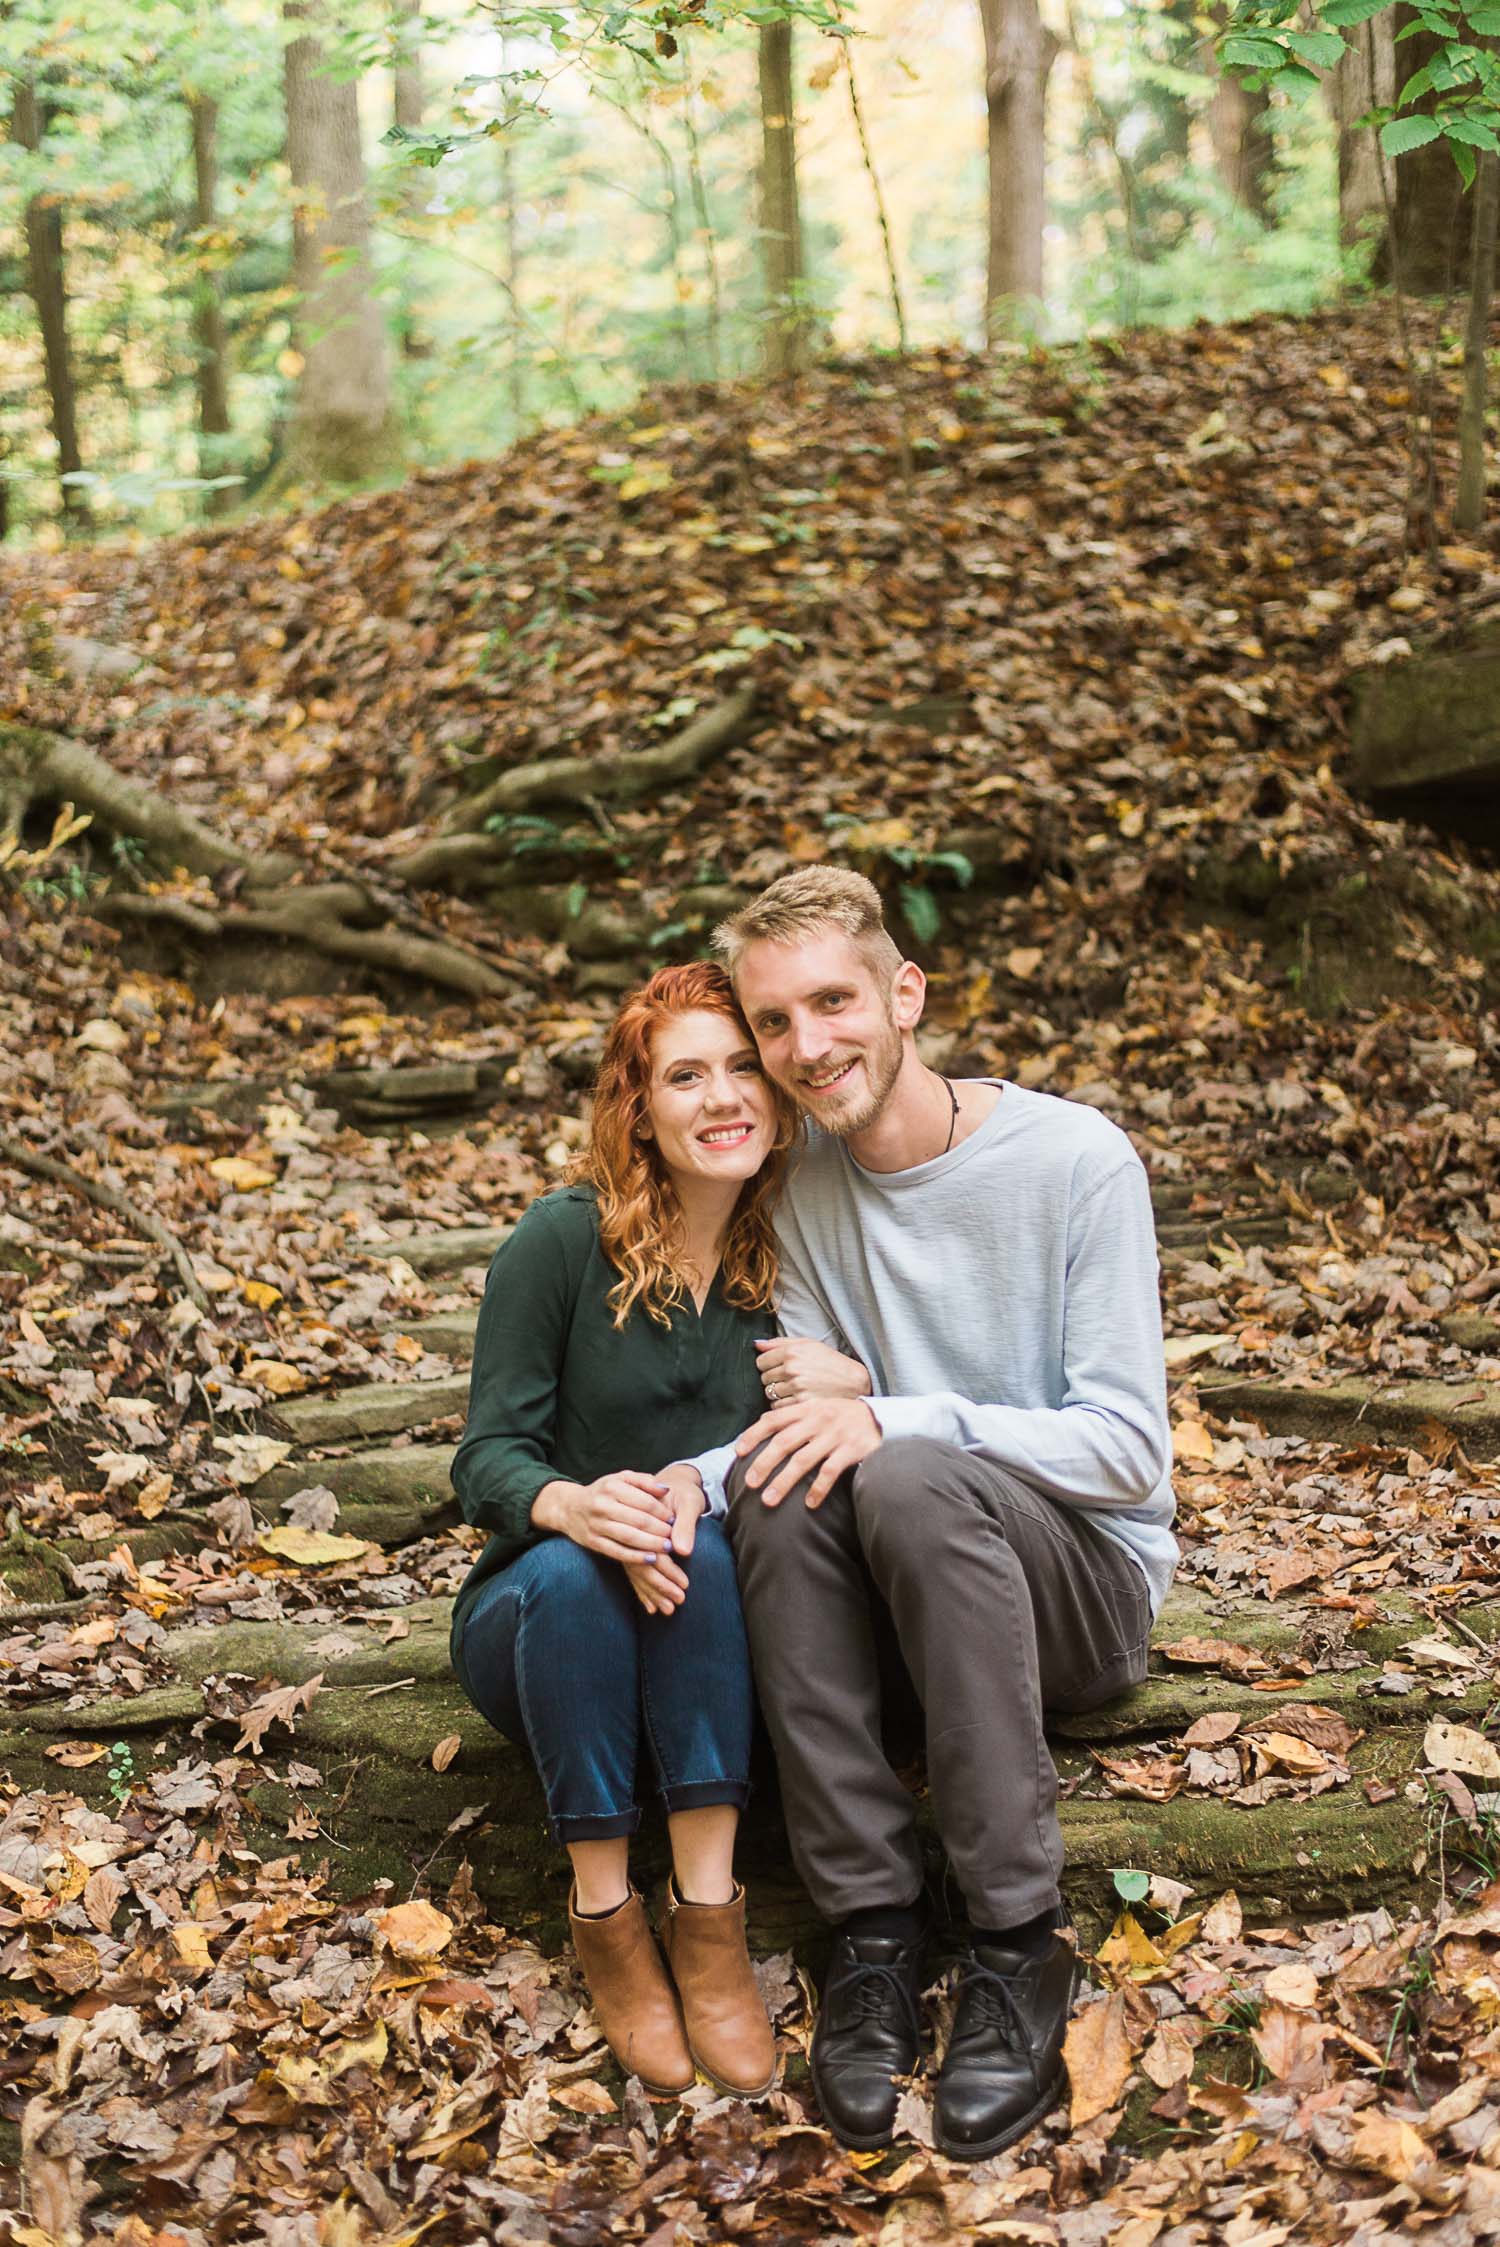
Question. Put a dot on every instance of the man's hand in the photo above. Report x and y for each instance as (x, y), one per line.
(793, 1370)
(823, 1438)
(661, 1585)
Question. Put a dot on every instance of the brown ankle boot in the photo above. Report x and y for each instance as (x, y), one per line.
(634, 2001)
(727, 2030)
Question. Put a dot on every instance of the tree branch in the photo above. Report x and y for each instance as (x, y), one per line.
(17, 1157)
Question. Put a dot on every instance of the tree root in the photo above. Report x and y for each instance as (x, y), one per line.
(17, 1157)
(612, 779)
(38, 767)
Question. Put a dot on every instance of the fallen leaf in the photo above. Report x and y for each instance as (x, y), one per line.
(1100, 2056)
(275, 1377)
(280, 1706)
(1291, 2045)
(1292, 1984)
(414, 1930)
(1385, 2143)
(243, 1176)
(1211, 1731)
(311, 1548)
(1458, 1747)
(445, 1751)
(587, 2097)
(1224, 1921)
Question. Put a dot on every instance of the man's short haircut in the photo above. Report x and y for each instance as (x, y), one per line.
(808, 903)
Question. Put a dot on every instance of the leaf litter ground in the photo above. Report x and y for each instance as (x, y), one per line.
(1142, 574)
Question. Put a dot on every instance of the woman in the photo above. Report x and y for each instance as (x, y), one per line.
(617, 1336)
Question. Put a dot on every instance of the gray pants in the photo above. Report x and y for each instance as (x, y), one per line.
(1004, 1604)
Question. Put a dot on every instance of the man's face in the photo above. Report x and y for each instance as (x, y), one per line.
(826, 1030)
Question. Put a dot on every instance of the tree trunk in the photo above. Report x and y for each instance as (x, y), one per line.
(1239, 128)
(209, 338)
(1431, 248)
(1019, 52)
(408, 103)
(780, 212)
(43, 228)
(1469, 512)
(1364, 80)
(343, 426)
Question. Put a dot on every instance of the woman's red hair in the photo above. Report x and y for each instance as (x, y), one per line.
(640, 1222)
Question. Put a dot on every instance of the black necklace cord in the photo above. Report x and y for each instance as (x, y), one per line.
(953, 1119)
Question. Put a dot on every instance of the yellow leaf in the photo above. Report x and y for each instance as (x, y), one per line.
(310, 1548)
(261, 1294)
(368, 2051)
(415, 1930)
(243, 1176)
(876, 834)
(191, 1945)
(1191, 1440)
(272, 1375)
(152, 1496)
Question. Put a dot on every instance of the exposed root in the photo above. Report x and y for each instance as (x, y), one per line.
(614, 779)
(18, 1157)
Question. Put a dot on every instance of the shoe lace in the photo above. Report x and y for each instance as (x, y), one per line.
(986, 1999)
(876, 1992)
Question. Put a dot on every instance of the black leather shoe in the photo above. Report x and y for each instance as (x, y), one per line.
(1004, 2066)
(869, 2032)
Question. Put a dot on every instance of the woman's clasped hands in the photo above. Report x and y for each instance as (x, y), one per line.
(645, 1522)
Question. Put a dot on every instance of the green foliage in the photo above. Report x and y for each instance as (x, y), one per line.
(1131, 1886)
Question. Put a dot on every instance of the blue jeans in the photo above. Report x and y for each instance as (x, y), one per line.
(559, 1655)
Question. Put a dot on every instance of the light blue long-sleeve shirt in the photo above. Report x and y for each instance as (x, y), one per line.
(1004, 1298)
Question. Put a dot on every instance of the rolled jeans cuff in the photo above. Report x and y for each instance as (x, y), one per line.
(613, 1825)
(704, 1793)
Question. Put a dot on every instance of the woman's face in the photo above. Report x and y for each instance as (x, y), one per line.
(710, 1110)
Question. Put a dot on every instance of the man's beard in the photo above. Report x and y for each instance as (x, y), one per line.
(882, 1066)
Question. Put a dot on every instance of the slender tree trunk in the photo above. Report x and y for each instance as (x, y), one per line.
(209, 340)
(888, 247)
(1432, 239)
(1469, 512)
(1365, 79)
(408, 107)
(343, 425)
(701, 213)
(1019, 52)
(1239, 129)
(780, 212)
(45, 282)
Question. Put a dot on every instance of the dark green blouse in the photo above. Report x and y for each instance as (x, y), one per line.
(559, 1393)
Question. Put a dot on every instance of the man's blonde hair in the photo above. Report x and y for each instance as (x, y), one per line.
(814, 899)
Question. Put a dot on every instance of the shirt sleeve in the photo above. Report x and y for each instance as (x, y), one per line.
(1109, 1442)
(505, 1456)
(800, 1310)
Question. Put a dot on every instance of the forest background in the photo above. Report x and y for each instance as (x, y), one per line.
(525, 214)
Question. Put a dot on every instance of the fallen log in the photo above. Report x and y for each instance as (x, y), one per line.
(38, 767)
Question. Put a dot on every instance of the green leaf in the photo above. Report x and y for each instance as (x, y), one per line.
(1321, 47)
(577, 898)
(1466, 160)
(1486, 21)
(1405, 133)
(1419, 83)
(1296, 78)
(961, 868)
(1252, 54)
(1131, 1886)
(919, 909)
(1470, 131)
(1346, 12)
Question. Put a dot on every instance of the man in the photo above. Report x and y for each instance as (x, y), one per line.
(967, 1422)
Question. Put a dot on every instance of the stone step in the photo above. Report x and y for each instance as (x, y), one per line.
(376, 1408)
(1362, 1411)
(432, 1254)
(407, 1093)
(388, 1495)
(382, 1708)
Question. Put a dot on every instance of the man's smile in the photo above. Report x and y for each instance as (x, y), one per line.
(830, 1077)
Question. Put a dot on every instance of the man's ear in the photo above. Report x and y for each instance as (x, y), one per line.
(908, 995)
